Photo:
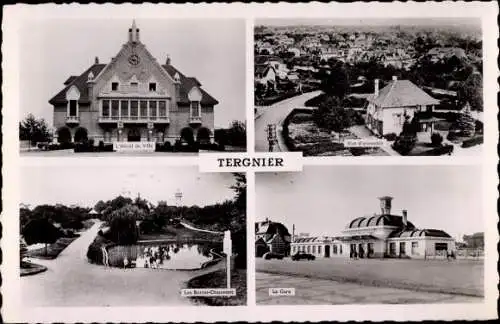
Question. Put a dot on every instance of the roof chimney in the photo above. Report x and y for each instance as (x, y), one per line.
(168, 60)
(96, 60)
(405, 217)
(394, 78)
(385, 205)
(376, 87)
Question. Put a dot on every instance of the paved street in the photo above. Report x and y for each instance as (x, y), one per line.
(320, 292)
(341, 280)
(72, 281)
(275, 114)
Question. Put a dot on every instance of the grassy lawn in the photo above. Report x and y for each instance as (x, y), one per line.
(180, 233)
(28, 268)
(217, 279)
(53, 250)
(465, 277)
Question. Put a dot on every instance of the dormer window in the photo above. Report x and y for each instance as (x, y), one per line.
(114, 86)
(152, 86)
(134, 85)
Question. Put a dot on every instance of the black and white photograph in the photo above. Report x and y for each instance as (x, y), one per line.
(138, 238)
(133, 86)
(377, 87)
(370, 235)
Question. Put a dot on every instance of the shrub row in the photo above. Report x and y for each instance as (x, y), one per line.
(441, 150)
(274, 99)
(472, 142)
(181, 146)
(88, 146)
(60, 146)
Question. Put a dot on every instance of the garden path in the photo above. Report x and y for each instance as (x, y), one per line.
(276, 114)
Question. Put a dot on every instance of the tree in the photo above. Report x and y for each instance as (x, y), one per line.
(330, 115)
(40, 230)
(465, 122)
(23, 250)
(471, 92)
(336, 83)
(236, 134)
(123, 228)
(34, 130)
(407, 139)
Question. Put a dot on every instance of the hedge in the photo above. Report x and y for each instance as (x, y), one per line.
(472, 141)
(285, 132)
(442, 150)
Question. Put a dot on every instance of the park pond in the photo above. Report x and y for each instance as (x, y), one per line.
(170, 255)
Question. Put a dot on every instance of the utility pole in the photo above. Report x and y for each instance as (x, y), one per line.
(271, 136)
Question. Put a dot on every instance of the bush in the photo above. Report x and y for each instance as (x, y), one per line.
(436, 139)
(452, 135)
(479, 127)
(391, 137)
(94, 251)
(472, 141)
(404, 144)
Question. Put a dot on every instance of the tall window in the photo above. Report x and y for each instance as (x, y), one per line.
(195, 109)
(144, 108)
(319, 249)
(162, 108)
(152, 108)
(105, 108)
(134, 109)
(73, 105)
(314, 249)
(115, 104)
(414, 247)
(114, 86)
(152, 86)
(124, 108)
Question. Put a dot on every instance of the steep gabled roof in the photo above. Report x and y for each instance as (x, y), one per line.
(78, 81)
(402, 93)
(187, 83)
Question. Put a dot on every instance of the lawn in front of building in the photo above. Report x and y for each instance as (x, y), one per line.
(464, 277)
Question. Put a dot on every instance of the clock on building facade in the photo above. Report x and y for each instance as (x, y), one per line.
(134, 59)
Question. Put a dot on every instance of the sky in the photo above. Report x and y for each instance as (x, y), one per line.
(86, 185)
(213, 51)
(370, 21)
(322, 200)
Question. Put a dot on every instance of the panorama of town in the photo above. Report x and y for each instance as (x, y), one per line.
(398, 88)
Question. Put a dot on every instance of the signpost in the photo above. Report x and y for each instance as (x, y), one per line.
(271, 136)
(227, 248)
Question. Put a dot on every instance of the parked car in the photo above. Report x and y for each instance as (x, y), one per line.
(302, 256)
(271, 255)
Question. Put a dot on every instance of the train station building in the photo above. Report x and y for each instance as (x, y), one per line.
(382, 235)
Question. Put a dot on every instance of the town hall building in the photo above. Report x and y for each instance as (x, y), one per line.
(133, 98)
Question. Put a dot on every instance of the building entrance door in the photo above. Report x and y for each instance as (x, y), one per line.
(134, 135)
(402, 250)
(327, 251)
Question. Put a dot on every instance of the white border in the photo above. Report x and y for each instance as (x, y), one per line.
(14, 16)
